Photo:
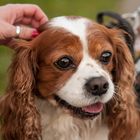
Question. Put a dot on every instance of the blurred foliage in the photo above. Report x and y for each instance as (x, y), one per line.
(52, 8)
(5, 57)
(86, 8)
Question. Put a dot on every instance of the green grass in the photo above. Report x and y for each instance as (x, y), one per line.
(87, 8)
(52, 8)
(5, 57)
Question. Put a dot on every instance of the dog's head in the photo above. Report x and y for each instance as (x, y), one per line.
(75, 63)
(78, 64)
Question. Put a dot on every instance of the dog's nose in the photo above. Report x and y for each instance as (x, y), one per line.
(97, 86)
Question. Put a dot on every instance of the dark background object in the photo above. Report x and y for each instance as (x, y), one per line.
(118, 22)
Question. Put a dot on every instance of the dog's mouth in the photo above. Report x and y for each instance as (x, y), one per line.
(89, 111)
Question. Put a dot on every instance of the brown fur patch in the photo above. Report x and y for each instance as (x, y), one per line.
(53, 44)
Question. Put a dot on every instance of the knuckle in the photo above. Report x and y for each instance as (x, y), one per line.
(36, 6)
(13, 6)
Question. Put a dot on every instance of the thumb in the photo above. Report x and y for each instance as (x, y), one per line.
(27, 32)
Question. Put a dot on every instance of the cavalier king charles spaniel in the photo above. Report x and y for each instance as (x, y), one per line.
(72, 82)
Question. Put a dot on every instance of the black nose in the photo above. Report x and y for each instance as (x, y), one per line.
(97, 85)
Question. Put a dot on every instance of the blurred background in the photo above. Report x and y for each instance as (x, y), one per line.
(53, 8)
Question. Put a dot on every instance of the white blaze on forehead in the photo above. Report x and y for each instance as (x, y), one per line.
(74, 91)
(76, 26)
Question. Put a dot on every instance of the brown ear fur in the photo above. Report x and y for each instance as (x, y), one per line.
(43, 27)
(123, 114)
(20, 118)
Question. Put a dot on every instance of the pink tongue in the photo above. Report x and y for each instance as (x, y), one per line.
(94, 108)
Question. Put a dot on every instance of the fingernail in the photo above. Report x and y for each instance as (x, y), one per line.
(35, 33)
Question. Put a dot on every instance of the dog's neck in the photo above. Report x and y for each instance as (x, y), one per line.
(60, 125)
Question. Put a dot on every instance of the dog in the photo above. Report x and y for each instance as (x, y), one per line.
(72, 82)
(130, 23)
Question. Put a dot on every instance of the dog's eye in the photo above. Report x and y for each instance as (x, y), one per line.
(105, 57)
(64, 63)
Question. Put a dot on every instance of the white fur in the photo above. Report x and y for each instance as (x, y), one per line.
(76, 26)
(73, 92)
(58, 125)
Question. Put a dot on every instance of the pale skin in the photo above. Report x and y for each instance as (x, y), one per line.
(28, 16)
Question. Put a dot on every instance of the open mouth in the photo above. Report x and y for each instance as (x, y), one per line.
(89, 111)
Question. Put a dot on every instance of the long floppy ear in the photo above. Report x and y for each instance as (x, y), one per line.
(124, 65)
(122, 112)
(20, 118)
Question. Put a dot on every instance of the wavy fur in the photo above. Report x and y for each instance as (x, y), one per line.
(19, 113)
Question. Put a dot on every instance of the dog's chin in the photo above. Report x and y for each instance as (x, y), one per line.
(86, 112)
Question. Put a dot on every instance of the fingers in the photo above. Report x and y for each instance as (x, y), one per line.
(31, 13)
(9, 31)
(35, 12)
(30, 21)
(26, 20)
(20, 14)
(17, 13)
(27, 33)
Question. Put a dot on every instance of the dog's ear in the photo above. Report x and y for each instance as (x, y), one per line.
(117, 21)
(43, 27)
(123, 106)
(123, 63)
(20, 118)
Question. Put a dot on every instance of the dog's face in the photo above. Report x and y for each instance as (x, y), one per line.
(77, 63)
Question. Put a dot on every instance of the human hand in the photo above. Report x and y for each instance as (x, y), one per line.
(29, 15)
